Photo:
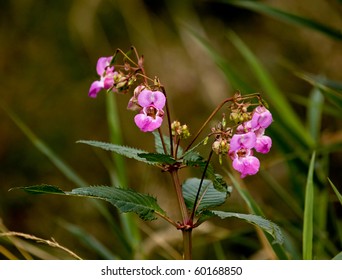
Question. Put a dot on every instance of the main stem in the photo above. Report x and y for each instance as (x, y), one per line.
(186, 225)
(187, 244)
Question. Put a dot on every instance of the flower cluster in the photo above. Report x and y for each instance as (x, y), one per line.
(150, 103)
(238, 142)
(250, 135)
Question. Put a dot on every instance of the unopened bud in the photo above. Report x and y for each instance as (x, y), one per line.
(180, 130)
(216, 147)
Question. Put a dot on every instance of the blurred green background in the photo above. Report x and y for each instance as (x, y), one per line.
(48, 54)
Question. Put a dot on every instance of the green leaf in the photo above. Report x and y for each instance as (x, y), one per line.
(126, 200)
(259, 221)
(308, 213)
(339, 196)
(194, 159)
(158, 158)
(209, 197)
(287, 17)
(121, 150)
(338, 256)
(41, 189)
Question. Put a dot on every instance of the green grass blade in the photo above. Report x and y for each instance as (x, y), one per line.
(330, 89)
(281, 105)
(308, 212)
(44, 149)
(261, 8)
(116, 138)
(90, 241)
(339, 196)
(221, 62)
(314, 113)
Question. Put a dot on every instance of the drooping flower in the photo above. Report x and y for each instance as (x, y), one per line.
(107, 75)
(261, 118)
(263, 142)
(244, 162)
(250, 135)
(151, 115)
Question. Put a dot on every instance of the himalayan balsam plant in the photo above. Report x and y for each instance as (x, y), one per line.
(238, 137)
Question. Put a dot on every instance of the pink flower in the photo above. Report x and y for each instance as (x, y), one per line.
(242, 141)
(244, 162)
(106, 74)
(249, 135)
(261, 118)
(151, 116)
(263, 143)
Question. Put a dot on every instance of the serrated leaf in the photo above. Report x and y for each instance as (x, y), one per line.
(209, 197)
(121, 150)
(126, 200)
(196, 160)
(41, 189)
(259, 221)
(158, 158)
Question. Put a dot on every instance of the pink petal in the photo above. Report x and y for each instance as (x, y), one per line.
(147, 123)
(248, 165)
(239, 141)
(95, 88)
(261, 118)
(244, 127)
(102, 63)
(263, 144)
(147, 98)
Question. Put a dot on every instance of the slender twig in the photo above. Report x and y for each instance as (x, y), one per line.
(162, 140)
(125, 55)
(168, 120)
(176, 150)
(208, 120)
(199, 188)
(248, 96)
(166, 218)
